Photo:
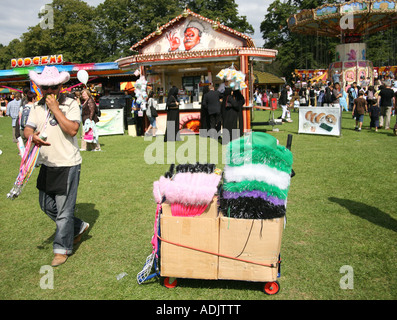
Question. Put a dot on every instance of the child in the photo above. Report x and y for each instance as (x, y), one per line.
(374, 112)
(295, 103)
(359, 109)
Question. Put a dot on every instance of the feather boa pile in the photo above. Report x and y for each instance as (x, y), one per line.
(257, 179)
(259, 148)
(189, 190)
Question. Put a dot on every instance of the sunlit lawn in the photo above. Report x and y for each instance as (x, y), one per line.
(341, 212)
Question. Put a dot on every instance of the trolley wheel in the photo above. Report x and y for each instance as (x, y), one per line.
(170, 283)
(271, 288)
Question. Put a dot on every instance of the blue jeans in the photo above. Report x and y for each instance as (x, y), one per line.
(60, 208)
(152, 121)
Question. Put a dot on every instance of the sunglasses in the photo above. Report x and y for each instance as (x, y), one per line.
(50, 87)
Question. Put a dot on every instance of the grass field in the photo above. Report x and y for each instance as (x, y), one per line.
(341, 211)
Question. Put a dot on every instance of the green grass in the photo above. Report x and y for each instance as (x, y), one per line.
(341, 211)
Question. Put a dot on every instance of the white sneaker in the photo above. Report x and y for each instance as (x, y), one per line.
(83, 229)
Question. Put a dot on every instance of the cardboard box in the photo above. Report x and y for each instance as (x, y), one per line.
(201, 232)
(132, 130)
(251, 240)
(257, 241)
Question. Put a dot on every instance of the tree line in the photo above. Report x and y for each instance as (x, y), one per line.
(83, 33)
(299, 51)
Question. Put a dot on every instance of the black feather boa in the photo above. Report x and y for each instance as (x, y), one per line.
(193, 168)
(250, 208)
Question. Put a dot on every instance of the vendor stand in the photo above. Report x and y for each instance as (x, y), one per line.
(188, 52)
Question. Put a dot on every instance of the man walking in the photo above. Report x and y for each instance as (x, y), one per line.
(385, 102)
(53, 124)
(13, 111)
(283, 100)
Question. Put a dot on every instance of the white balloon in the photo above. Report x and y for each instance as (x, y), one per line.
(82, 75)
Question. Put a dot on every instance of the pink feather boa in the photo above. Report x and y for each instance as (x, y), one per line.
(188, 193)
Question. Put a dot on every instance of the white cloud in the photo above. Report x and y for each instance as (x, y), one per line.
(255, 11)
(19, 15)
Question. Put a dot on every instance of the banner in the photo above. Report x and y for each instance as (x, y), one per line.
(111, 122)
(320, 120)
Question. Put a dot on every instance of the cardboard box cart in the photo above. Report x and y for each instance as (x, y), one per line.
(215, 247)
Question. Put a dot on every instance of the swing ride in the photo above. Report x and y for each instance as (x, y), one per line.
(349, 21)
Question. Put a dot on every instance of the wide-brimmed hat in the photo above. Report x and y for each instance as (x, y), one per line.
(49, 77)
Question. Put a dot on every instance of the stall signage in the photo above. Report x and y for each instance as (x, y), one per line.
(193, 34)
(37, 61)
(320, 120)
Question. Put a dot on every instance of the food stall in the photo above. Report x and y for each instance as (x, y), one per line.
(188, 52)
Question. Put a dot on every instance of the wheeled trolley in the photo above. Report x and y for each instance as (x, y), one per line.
(215, 247)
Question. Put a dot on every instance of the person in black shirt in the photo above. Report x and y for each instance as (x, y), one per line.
(211, 101)
(385, 102)
(230, 112)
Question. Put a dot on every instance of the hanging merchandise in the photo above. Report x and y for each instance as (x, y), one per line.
(26, 168)
(190, 189)
(140, 90)
(256, 178)
(236, 78)
(28, 163)
(152, 259)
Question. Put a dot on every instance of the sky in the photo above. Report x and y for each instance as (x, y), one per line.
(16, 19)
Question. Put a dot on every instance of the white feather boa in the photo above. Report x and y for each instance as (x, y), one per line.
(257, 172)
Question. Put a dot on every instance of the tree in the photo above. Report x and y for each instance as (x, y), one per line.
(122, 23)
(295, 51)
(225, 10)
(13, 50)
(299, 51)
(73, 33)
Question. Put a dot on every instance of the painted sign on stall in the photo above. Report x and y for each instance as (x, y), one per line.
(37, 61)
(193, 34)
(320, 120)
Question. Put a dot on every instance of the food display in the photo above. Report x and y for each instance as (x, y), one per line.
(321, 120)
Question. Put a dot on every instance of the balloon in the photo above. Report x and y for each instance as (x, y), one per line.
(82, 75)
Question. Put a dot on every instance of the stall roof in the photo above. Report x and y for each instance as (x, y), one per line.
(217, 42)
(262, 77)
(183, 16)
(228, 54)
(102, 69)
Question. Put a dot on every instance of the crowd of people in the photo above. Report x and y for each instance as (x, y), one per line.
(20, 103)
(378, 101)
(221, 114)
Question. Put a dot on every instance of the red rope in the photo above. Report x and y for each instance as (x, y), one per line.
(218, 254)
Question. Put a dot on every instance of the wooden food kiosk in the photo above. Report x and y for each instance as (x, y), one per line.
(188, 52)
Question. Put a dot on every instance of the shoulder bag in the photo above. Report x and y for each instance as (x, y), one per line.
(153, 110)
